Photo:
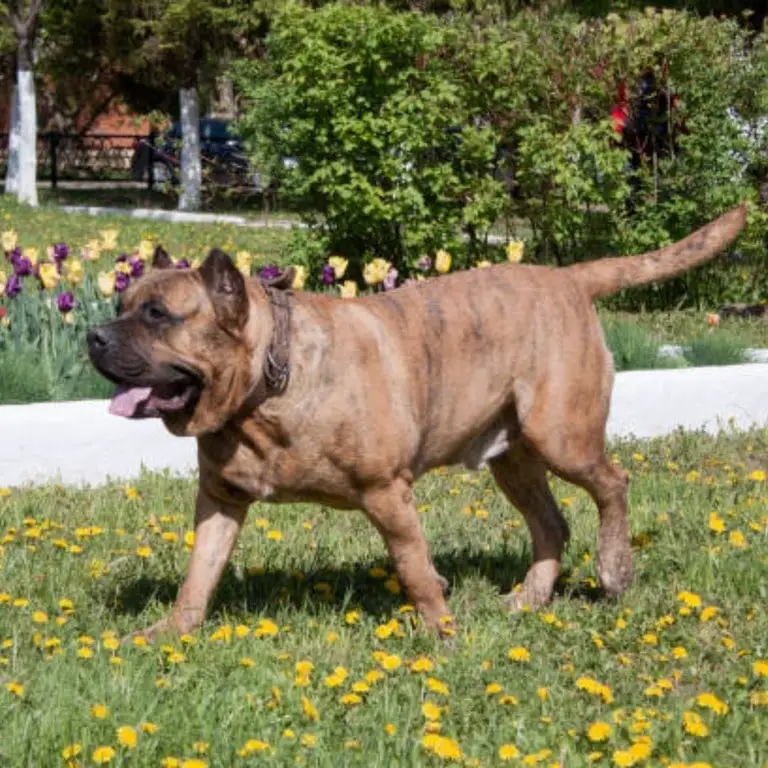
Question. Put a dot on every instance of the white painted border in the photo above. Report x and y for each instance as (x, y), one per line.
(80, 443)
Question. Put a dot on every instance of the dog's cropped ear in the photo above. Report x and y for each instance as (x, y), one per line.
(161, 259)
(283, 281)
(226, 287)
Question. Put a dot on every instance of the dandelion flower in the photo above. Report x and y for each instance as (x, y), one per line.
(126, 736)
(519, 654)
(442, 746)
(102, 755)
(599, 731)
(508, 752)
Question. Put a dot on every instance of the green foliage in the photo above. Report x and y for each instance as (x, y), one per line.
(633, 348)
(412, 130)
(366, 99)
(715, 349)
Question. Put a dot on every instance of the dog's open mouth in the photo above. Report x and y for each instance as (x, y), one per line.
(166, 398)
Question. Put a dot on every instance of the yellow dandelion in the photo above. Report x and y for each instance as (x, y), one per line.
(15, 688)
(422, 664)
(760, 668)
(438, 686)
(127, 736)
(431, 711)
(72, 751)
(390, 729)
(508, 752)
(442, 746)
(711, 701)
(599, 731)
(102, 755)
(100, 711)
(351, 699)
(716, 523)
(695, 725)
(519, 654)
(309, 709)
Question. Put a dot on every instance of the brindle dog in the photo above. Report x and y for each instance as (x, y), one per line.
(347, 402)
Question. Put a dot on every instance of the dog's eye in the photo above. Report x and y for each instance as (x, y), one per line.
(154, 313)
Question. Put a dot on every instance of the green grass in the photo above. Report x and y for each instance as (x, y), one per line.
(680, 326)
(716, 349)
(632, 347)
(46, 225)
(316, 585)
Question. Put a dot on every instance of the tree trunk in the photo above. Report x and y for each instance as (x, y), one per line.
(190, 150)
(26, 190)
(14, 138)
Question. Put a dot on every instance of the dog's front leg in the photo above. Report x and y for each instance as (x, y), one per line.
(217, 526)
(393, 511)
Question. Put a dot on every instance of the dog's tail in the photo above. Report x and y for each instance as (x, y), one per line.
(606, 276)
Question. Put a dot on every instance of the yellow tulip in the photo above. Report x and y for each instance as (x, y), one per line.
(3, 280)
(243, 262)
(146, 249)
(443, 262)
(106, 283)
(483, 264)
(515, 250)
(73, 271)
(124, 267)
(92, 250)
(339, 265)
(109, 239)
(376, 271)
(31, 254)
(348, 289)
(49, 276)
(299, 278)
(9, 240)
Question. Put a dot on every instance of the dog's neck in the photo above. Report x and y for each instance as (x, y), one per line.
(273, 371)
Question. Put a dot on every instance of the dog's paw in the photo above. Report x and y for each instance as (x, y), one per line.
(615, 575)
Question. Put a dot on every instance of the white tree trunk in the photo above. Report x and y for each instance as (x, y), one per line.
(14, 138)
(190, 150)
(26, 190)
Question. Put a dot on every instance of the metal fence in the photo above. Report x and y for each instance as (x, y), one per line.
(92, 157)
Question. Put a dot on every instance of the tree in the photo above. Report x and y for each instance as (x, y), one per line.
(179, 46)
(23, 19)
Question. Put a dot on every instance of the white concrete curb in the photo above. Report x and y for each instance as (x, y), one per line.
(80, 443)
(182, 217)
(751, 355)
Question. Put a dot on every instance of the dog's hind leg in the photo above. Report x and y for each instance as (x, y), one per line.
(521, 475)
(572, 443)
(393, 511)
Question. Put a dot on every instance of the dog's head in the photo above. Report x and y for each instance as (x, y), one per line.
(178, 348)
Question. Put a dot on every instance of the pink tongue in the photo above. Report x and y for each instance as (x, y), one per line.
(126, 400)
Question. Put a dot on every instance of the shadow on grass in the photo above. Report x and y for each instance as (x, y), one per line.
(347, 587)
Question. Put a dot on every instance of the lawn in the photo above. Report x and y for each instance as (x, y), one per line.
(311, 656)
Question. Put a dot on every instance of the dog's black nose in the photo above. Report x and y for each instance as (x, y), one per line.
(97, 339)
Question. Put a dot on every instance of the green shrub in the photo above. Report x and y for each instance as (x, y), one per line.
(633, 349)
(715, 349)
(412, 130)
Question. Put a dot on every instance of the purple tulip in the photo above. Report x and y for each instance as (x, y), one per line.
(182, 264)
(328, 276)
(270, 272)
(122, 281)
(65, 302)
(13, 286)
(60, 252)
(424, 264)
(122, 257)
(390, 281)
(22, 266)
(13, 255)
(137, 268)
